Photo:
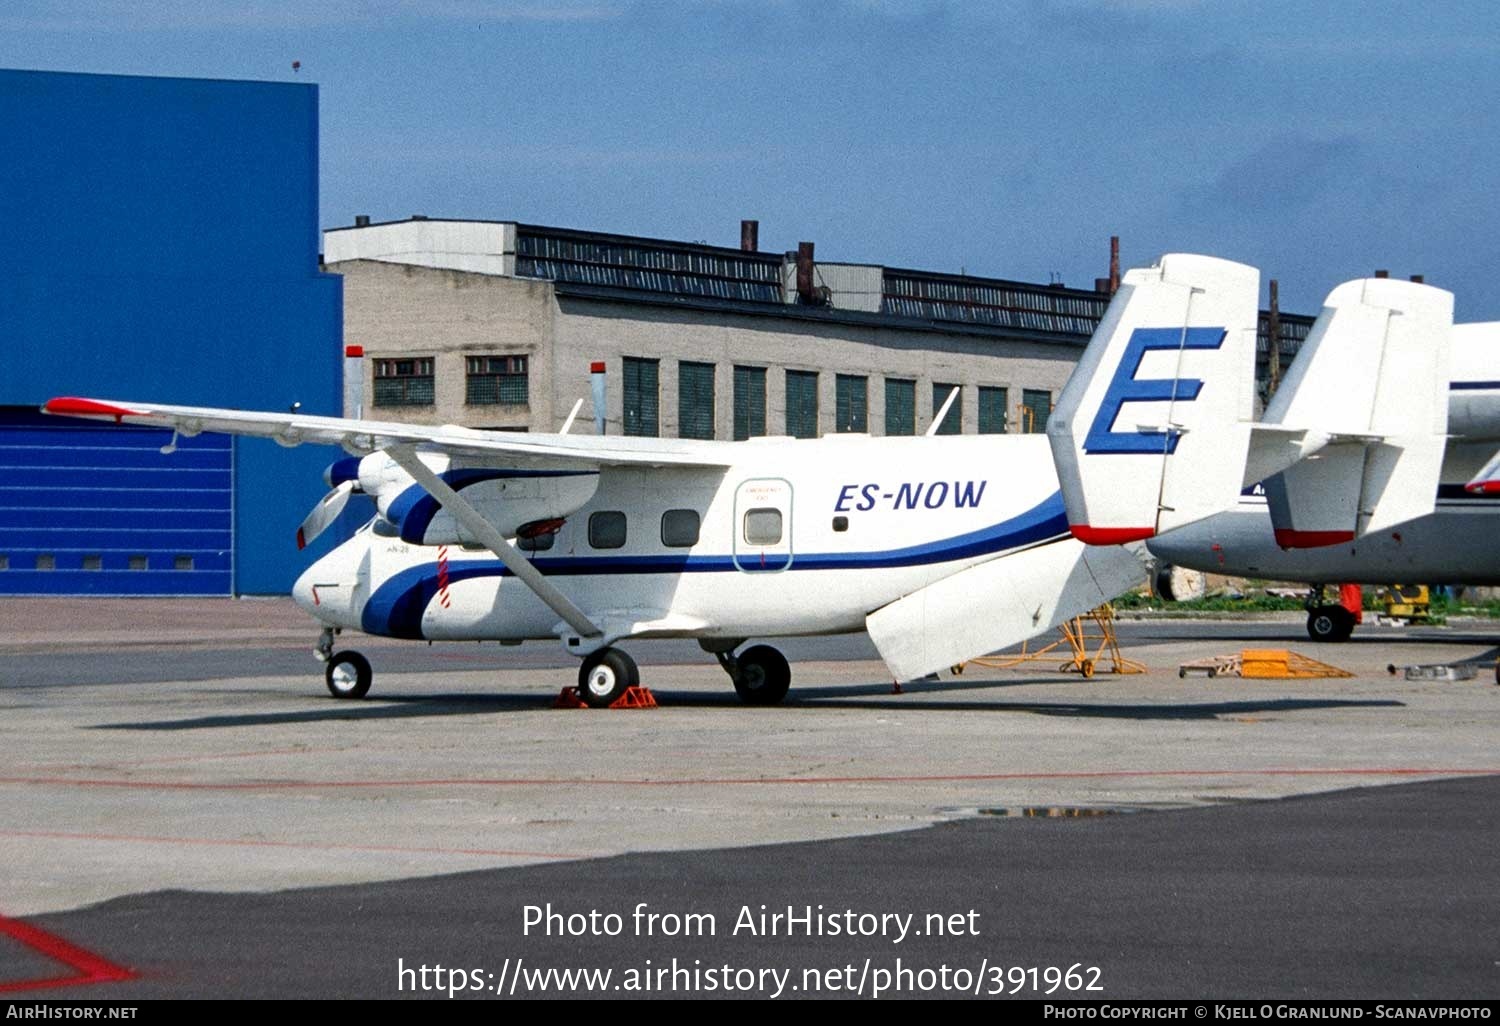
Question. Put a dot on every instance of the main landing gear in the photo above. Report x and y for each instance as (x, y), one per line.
(760, 673)
(347, 673)
(605, 675)
(1331, 622)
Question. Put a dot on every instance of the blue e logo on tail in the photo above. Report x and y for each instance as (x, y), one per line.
(1124, 388)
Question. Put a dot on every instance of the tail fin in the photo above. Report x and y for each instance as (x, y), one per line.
(1152, 430)
(1371, 382)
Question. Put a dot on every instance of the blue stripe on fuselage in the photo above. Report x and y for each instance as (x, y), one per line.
(396, 607)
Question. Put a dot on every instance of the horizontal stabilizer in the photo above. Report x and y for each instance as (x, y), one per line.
(1153, 428)
(1371, 380)
(1025, 594)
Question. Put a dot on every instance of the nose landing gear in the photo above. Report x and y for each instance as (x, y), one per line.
(347, 673)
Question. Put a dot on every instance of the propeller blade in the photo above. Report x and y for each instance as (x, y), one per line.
(324, 513)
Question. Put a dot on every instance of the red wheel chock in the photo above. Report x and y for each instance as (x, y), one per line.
(633, 698)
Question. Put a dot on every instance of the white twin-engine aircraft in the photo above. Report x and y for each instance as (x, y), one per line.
(942, 548)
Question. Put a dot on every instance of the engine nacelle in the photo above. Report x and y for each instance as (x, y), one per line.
(505, 496)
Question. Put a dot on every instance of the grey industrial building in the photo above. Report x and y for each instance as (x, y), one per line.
(497, 324)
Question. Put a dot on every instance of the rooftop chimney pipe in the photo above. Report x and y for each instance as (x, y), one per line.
(749, 236)
(805, 273)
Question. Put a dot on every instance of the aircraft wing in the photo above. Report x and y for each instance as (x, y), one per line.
(365, 436)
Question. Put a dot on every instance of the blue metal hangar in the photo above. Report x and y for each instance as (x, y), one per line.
(159, 241)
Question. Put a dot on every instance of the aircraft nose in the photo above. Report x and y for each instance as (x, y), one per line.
(327, 590)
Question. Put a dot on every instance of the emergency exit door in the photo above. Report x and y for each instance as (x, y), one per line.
(763, 525)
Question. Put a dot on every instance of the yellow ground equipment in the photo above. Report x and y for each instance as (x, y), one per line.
(1090, 637)
(1263, 664)
(1407, 602)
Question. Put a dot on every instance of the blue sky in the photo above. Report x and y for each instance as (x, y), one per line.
(1316, 141)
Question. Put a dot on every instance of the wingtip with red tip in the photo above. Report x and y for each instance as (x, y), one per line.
(72, 406)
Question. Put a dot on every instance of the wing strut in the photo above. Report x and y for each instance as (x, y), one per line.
(475, 523)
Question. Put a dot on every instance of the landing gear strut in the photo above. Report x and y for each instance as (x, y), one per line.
(605, 675)
(1327, 622)
(760, 673)
(347, 674)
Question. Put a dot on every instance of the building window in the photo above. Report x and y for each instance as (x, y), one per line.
(496, 381)
(992, 410)
(953, 423)
(404, 382)
(850, 403)
(749, 402)
(642, 397)
(679, 528)
(607, 529)
(802, 404)
(1036, 405)
(900, 406)
(695, 400)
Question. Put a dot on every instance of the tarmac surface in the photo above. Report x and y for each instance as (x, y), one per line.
(186, 812)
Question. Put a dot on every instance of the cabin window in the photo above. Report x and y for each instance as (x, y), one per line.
(136, 562)
(802, 404)
(182, 562)
(749, 402)
(679, 528)
(1036, 405)
(406, 381)
(538, 542)
(642, 397)
(900, 406)
(992, 410)
(850, 403)
(5, 562)
(46, 561)
(841, 523)
(607, 529)
(762, 526)
(695, 400)
(496, 381)
(953, 423)
(93, 562)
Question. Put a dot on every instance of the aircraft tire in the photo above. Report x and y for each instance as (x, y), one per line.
(605, 675)
(762, 675)
(347, 675)
(1330, 623)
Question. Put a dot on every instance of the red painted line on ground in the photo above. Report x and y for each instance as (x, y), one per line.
(218, 842)
(939, 778)
(168, 760)
(87, 967)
